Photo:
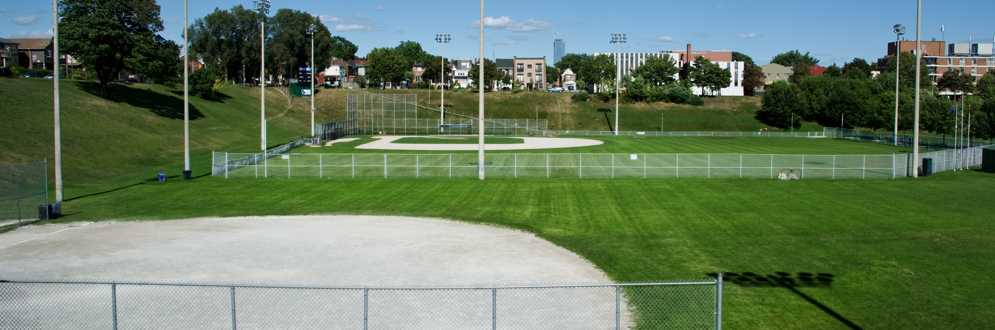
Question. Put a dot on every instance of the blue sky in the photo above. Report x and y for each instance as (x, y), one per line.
(834, 32)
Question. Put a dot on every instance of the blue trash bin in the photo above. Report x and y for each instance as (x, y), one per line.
(162, 177)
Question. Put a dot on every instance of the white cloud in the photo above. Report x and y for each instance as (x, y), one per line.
(33, 34)
(749, 35)
(660, 39)
(381, 8)
(4, 10)
(351, 27)
(169, 20)
(329, 19)
(25, 20)
(505, 23)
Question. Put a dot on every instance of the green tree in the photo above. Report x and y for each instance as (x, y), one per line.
(552, 75)
(790, 58)
(572, 61)
(204, 82)
(434, 67)
(753, 78)
(706, 74)
(343, 49)
(908, 72)
(780, 100)
(798, 72)
(598, 70)
(109, 35)
(986, 120)
(657, 70)
(290, 46)
(490, 73)
(860, 66)
(411, 52)
(228, 39)
(361, 81)
(740, 57)
(986, 86)
(386, 66)
(956, 81)
(833, 71)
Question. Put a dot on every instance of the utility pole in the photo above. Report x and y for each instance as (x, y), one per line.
(618, 39)
(899, 31)
(443, 39)
(186, 97)
(310, 30)
(915, 132)
(58, 121)
(263, 6)
(480, 90)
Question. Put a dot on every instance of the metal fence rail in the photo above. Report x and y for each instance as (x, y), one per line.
(31, 304)
(930, 142)
(561, 165)
(334, 130)
(684, 134)
(23, 187)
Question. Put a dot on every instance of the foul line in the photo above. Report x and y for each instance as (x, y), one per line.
(84, 225)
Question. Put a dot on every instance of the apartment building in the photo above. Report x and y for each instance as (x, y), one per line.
(8, 52)
(940, 57)
(530, 71)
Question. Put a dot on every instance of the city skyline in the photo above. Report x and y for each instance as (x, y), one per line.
(835, 34)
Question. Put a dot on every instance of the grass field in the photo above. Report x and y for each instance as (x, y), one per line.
(457, 140)
(890, 254)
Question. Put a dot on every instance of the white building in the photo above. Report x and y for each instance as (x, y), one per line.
(630, 61)
(461, 73)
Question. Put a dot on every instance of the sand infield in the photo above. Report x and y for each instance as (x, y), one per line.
(385, 143)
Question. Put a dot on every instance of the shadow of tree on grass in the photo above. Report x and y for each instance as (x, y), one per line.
(159, 104)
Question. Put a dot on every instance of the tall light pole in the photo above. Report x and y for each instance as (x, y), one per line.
(58, 120)
(480, 90)
(310, 31)
(899, 31)
(186, 97)
(618, 39)
(263, 7)
(443, 38)
(915, 132)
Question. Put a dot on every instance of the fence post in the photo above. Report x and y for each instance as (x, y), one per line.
(771, 166)
(677, 165)
(320, 173)
(618, 308)
(493, 309)
(288, 166)
(803, 166)
(233, 324)
(740, 165)
(863, 170)
(353, 166)
(384, 166)
(450, 165)
(265, 165)
(17, 194)
(366, 308)
(708, 166)
(644, 166)
(416, 164)
(580, 165)
(718, 304)
(226, 166)
(834, 167)
(613, 165)
(894, 169)
(547, 166)
(114, 304)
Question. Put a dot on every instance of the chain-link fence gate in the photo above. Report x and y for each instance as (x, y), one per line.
(23, 193)
(28, 304)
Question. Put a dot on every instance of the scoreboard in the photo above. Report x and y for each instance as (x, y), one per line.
(304, 76)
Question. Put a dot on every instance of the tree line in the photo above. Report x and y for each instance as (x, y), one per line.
(851, 97)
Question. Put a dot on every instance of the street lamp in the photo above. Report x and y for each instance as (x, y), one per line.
(263, 7)
(899, 31)
(186, 97)
(915, 132)
(443, 39)
(617, 39)
(310, 31)
(480, 90)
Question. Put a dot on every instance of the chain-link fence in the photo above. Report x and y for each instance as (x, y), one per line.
(23, 193)
(26, 304)
(397, 114)
(954, 159)
(534, 165)
(334, 130)
(926, 141)
(685, 134)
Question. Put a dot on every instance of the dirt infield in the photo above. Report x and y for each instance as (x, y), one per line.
(385, 143)
(313, 250)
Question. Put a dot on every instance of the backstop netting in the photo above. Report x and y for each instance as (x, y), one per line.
(398, 114)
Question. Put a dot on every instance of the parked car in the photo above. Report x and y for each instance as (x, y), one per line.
(5, 72)
(33, 74)
(52, 76)
(556, 89)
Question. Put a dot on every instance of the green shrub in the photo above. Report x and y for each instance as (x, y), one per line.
(580, 97)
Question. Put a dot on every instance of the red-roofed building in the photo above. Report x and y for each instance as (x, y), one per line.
(817, 70)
